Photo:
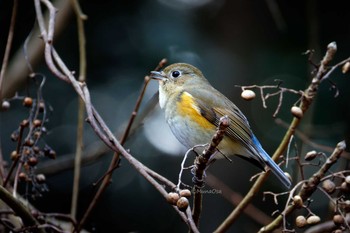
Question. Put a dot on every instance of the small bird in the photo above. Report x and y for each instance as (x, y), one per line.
(193, 109)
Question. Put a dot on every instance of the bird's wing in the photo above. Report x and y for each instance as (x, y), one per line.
(238, 130)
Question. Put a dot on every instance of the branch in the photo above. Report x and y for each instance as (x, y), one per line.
(116, 158)
(308, 187)
(201, 163)
(20, 210)
(306, 100)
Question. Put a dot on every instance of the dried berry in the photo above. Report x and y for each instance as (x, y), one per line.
(314, 219)
(14, 155)
(185, 193)
(40, 178)
(37, 123)
(5, 105)
(328, 186)
(172, 198)
(347, 179)
(298, 201)
(22, 176)
(310, 155)
(41, 106)
(52, 154)
(32, 161)
(36, 149)
(27, 151)
(248, 94)
(338, 219)
(346, 206)
(25, 123)
(28, 102)
(300, 221)
(29, 142)
(344, 187)
(182, 203)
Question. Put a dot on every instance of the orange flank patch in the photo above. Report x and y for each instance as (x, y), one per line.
(187, 107)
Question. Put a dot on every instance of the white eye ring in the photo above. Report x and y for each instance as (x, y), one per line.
(175, 74)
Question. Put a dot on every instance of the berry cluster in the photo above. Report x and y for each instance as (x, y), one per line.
(29, 145)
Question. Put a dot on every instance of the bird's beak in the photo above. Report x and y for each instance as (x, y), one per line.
(158, 75)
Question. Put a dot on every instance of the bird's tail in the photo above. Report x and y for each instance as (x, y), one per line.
(272, 165)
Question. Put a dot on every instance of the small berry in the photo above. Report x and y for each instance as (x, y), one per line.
(26, 151)
(338, 219)
(298, 201)
(32, 161)
(41, 106)
(182, 203)
(29, 142)
(5, 105)
(14, 155)
(24, 123)
(36, 149)
(314, 219)
(28, 102)
(300, 221)
(328, 186)
(310, 155)
(22, 176)
(37, 123)
(52, 154)
(344, 187)
(297, 112)
(185, 193)
(248, 94)
(14, 136)
(346, 206)
(37, 134)
(347, 179)
(172, 198)
(40, 178)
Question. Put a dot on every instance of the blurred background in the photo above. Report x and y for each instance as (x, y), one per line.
(232, 42)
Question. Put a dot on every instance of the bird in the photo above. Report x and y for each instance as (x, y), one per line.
(193, 108)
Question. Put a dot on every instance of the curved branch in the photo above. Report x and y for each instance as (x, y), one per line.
(27, 218)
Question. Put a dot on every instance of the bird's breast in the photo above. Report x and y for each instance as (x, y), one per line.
(187, 108)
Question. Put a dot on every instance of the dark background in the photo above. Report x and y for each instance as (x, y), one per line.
(232, 42)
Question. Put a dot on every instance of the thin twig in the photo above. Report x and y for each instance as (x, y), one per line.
(18, 148)
(4, 68)
(116, 158)
(80, 16)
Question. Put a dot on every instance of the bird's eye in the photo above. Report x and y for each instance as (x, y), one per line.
(175, 74)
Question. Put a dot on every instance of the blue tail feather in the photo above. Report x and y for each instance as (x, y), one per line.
(271, 164)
